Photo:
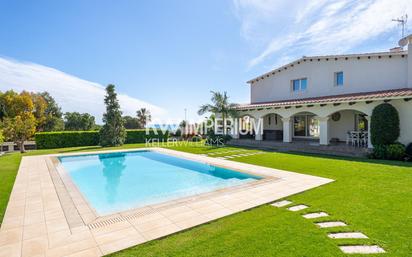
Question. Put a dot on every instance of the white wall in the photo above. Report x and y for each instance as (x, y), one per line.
(410, 63)
(359, 76)
(339, 129)
(405, 117)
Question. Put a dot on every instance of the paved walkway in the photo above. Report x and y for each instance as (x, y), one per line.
(46, 216)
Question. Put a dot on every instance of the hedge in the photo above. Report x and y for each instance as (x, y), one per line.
(61, 139)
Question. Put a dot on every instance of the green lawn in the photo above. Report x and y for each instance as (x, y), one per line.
(373, 197)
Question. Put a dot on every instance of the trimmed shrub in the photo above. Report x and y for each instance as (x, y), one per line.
(61, 139)
(384, 125)
(379, 152)
(395, 151)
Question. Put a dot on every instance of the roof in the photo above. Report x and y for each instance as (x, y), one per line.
(335, 57)
(355, 97)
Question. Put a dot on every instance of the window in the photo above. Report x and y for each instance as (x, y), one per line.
(299, 85)
(339, 78)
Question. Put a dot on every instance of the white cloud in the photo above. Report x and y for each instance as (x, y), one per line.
(71, 93)
(306, 27)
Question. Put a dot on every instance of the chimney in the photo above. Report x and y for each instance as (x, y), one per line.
(407, 41)
(396, 49)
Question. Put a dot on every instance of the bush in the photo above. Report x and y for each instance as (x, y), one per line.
(408, 151)
(395, 151)
(61, 139)
(379, 152)
(217, 140)
(384, 125)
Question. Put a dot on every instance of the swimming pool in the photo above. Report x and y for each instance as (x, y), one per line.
(113, 182)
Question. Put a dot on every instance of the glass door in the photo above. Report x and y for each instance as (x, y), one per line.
(306, 126)
(299, 126)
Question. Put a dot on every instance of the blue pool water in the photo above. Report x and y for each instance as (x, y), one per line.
(120, 181)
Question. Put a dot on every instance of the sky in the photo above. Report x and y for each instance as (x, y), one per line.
(168, 55)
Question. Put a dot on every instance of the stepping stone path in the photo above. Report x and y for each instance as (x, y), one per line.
(281, 203)
(315, 215)
(348, 249)
(361, 249)
(331, 224)
(298, 207)
(345, 235)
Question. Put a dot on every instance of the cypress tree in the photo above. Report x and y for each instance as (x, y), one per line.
(113, 132)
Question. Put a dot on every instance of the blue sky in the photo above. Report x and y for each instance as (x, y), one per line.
(168, 55)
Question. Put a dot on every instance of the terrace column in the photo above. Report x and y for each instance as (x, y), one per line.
(258, 127)
(287, 129)
(368, 118)
(323, 130)
(235, 129)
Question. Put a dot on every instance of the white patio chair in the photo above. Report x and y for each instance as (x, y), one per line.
(355, 138)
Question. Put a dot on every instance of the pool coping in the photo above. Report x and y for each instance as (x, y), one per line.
(38, 219)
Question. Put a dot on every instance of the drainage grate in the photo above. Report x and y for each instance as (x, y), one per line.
(111, 221)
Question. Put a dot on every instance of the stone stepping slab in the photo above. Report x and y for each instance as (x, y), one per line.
(331, 224)
(361, 249)
(298, 207)
(344, 235)
(281, 203)
(315, 215)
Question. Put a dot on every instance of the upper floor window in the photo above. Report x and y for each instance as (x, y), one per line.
(339, 78)
(299, 84)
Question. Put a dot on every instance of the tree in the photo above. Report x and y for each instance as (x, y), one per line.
(53, 114)
(20, 128)
(385, 128)
(1, 138)
(144, 116)
(131, 122)
(39, 110)
(220, 105)
(78, 121)
(113, 132)
(19, 123)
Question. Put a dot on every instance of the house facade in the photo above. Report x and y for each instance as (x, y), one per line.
(328, 99)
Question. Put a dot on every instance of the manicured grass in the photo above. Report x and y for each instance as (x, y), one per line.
(373, 197)
(8, 168)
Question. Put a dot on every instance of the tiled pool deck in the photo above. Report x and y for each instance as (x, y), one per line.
(48, 216)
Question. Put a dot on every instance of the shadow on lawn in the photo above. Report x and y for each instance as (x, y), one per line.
(343, 158)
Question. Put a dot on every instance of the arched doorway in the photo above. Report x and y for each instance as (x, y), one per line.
(272, 127)
(348, 125)
(246, 127)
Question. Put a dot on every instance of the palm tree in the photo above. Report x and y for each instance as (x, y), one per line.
(144, 116)
(220, 105)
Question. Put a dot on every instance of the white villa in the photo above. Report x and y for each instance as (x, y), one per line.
(329, 99)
